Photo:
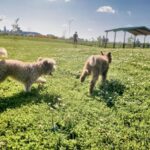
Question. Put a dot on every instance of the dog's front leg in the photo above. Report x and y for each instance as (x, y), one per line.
(2, 77)
(104, 76)
(27, 87)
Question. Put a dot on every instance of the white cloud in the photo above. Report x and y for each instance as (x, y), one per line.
(129, 25)
(56, 0)
(65, 25)
(106, 9)
(90, 29)
(51, 0)
(129, 12)
(2, 17)
(67, 1)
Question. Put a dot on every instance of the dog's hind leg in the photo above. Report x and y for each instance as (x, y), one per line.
(84, 74)
(93, 81)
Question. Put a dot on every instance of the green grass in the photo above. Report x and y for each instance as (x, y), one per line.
(62, 115)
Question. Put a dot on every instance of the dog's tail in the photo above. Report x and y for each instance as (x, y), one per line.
(92, 61)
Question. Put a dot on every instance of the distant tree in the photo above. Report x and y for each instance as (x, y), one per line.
(64, 34)
(15, 27)
(52, 36)
(5, 30)
(130, 40)
(99, 39)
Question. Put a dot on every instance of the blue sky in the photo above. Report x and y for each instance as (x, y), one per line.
(90, 18)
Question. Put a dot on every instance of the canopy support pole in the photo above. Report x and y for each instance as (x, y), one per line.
(134, 41)
(144, 41)
(124, 40)
(106, 39)
(114, 44)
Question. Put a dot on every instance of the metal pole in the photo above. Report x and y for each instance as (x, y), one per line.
(106, 39)
(69, 25)
(114, 40)
(134, 41)
(144, 41)
(124, 40)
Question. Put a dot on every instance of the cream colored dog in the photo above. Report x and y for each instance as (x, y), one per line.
(96, 65)
(3, 53)
(26, 73)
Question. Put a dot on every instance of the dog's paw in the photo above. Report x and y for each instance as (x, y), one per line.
(41, 80)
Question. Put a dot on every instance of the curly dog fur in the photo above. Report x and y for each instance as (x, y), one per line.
(3, 53)
(26, 73)
(96, 65)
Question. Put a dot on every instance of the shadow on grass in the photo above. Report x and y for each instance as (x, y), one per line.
(110, 91)
(23, 98)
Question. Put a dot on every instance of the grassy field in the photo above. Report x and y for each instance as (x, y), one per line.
(61, 115)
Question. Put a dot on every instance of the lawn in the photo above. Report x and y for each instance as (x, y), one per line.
(62, 115)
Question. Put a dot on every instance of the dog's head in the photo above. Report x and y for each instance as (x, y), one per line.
(3, 53)
(108, 56)
(48, 65)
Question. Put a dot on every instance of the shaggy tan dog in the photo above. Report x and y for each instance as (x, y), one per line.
(26, 73)
(3, 53)
(96, 65)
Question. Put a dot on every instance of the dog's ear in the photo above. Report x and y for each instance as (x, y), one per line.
(102, 53)
(39, 59)
(109, 54)
(109, 57)
(45, 62)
